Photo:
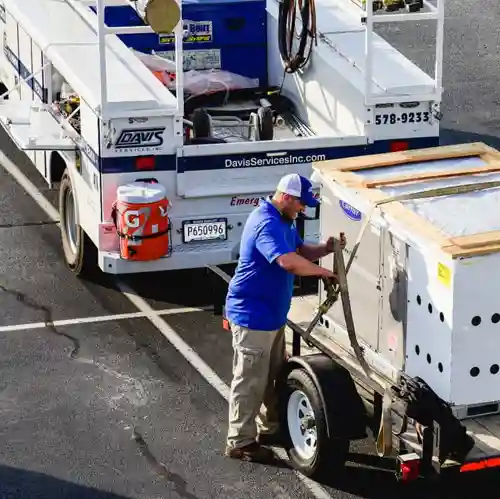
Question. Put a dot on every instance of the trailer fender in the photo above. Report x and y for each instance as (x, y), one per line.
(345, 412)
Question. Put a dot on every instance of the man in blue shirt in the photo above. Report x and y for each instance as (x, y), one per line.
(257, 306)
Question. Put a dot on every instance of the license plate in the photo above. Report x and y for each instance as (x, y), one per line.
(400, 117)
(204, 230)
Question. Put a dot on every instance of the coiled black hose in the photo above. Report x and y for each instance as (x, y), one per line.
(286, 32)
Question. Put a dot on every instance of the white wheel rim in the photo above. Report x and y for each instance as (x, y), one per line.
(70, 219)
(302, 425)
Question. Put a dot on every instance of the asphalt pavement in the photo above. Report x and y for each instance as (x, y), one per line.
(95, 403)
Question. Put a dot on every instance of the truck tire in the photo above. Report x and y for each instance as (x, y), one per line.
(266, 123)
(303, 418)
(76, 245)
(202, 124)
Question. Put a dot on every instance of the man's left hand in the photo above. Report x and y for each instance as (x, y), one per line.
(330, 242)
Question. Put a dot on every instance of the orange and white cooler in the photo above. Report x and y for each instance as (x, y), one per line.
(141, 220)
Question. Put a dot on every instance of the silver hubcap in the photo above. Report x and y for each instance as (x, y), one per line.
(70, 219)
(302, 425)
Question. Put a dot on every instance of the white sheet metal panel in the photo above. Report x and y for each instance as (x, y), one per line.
(429, 326)
(71, 44)
(453, 328)
(33, 129)
(475, 371)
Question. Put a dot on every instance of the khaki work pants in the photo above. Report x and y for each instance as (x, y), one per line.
(258, 358)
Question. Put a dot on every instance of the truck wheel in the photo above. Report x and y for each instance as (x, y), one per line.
(266, 124)
(202, 123)
(76, 245)
(309, 448)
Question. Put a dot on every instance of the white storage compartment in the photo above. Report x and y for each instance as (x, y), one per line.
(352, 69)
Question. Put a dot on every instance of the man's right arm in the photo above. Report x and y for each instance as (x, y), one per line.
(271, 243)
(298, 265)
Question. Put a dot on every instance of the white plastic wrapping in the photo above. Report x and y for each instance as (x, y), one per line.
(214, 80)
(195, 82)
(155, 62)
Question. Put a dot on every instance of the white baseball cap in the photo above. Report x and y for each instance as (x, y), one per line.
(300, 187)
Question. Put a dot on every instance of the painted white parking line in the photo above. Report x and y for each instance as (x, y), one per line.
(207, 372)
(189, 354)
(102, 318)
(184, 349)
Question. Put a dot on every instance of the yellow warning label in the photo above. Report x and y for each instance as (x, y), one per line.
(444, 274)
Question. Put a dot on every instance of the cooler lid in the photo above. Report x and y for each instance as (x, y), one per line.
(140, 193)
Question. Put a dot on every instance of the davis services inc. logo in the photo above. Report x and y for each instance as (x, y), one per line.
(140, 138)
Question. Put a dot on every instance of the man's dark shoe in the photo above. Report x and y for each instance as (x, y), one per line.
(270, 439)
(252, 452)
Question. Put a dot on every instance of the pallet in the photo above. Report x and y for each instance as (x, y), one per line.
(358, 175)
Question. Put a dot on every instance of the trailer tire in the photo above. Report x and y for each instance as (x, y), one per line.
(77, 247)
(317, 455)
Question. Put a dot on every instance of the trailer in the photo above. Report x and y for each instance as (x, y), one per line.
(404, 346)
(163, 125)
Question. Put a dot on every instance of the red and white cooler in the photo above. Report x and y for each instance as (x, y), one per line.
(140, 214)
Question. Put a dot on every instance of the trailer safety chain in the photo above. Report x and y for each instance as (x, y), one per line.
(286, 32)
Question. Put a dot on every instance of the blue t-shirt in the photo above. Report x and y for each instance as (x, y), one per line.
(260, 293)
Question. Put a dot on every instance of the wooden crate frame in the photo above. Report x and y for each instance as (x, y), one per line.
(343, 171)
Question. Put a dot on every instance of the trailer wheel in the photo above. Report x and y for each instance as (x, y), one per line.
(309, 448)
(76, 245)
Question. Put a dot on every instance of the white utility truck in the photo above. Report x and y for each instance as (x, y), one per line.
(158, 159)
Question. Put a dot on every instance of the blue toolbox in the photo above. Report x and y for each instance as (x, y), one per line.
(221, 34)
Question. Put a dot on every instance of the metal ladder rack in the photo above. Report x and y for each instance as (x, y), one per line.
(368, 17)
(97, 22)
(435, 13)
